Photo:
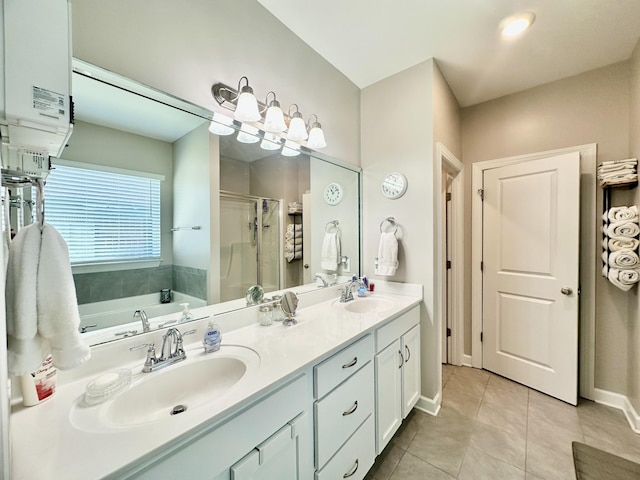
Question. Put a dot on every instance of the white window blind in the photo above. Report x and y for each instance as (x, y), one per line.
(104, 216)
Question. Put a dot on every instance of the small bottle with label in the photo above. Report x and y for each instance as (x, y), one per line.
(186, 314)
(212, 338)
(39, 385)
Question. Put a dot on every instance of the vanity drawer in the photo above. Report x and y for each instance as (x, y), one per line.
(396, 328)
(339, 414)
(341, 366)
(355, 458)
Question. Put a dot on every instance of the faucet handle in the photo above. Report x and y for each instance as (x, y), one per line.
(142, 345)
(189, 332)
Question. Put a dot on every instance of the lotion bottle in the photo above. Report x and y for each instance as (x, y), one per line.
(212, 338)
(39, 385)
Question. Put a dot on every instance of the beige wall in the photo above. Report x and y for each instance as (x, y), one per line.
(589, 108)
(633, 344)
(397, 135)
(183, 48)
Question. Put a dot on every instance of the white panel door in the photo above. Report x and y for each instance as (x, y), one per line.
(530, 286)
(388, 394)
(410, 370)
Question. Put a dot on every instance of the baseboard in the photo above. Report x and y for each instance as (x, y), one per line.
(622, 402)
(429, 405)
(466, 360)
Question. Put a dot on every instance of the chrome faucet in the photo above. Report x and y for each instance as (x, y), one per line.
(324, 282)
(146, 326)
(347, 293)
(172, 350)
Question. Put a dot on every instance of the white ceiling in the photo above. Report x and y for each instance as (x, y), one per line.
(369, 40)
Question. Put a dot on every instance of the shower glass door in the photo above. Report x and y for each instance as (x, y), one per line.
(249, 244)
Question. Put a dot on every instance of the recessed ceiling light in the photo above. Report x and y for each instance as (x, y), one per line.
(516, 24)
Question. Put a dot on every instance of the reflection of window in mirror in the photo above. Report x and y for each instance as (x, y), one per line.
(105, 216)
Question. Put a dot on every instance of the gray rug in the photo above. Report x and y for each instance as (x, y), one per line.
(595, 464)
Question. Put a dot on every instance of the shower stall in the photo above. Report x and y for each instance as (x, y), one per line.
(251, 250)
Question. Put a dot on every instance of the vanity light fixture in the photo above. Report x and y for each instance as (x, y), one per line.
(297, 128)
(514, 25)
(247, 106)
(221, 124)
(316, 135)
(248, 134)
(290, 149)
(274, 121)
(274, 118)
(270, 142)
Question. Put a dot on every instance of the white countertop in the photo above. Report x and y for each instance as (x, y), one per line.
(47, 445)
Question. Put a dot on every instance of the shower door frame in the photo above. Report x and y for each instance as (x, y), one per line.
(281, 265)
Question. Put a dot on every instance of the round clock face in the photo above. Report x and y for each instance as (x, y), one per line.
(394, 185)
(333, 193)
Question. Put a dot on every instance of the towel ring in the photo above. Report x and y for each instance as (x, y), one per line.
(333, 224)
(391, 222)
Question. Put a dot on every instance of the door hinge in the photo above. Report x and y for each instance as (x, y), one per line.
(481, 336)
(448, 332)
(481, 193)
(482, 266)
(448, 196)
(448, 264)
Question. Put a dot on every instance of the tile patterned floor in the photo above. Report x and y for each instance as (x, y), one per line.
(492, 428)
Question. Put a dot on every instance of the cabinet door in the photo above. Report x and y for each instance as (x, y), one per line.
(388, 365)
(410, 370)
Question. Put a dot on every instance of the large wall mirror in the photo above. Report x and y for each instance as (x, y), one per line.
(200, 217)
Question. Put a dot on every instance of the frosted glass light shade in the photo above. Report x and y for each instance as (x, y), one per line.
(297, 129)
(316, 138)
(221, 125)
(290, 149)
(274, 120)
(248, 134)
(270, 142)
(247, 108)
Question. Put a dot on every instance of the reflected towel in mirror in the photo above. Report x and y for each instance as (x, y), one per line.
(330, 252)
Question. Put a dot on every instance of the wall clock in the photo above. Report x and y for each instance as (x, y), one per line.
(394, 185)
(333, 193)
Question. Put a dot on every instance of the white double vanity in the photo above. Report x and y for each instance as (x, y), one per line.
(317, 400)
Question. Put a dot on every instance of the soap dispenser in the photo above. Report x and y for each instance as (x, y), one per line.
(186, 314)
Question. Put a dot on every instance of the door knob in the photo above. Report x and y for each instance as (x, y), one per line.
(306, 265)
(566, 291)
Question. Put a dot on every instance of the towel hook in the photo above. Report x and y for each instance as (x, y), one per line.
(333, 224)
(391, 222)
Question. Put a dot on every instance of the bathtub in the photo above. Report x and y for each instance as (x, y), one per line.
(114, 318)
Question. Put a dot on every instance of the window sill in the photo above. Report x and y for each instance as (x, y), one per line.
(115, 266)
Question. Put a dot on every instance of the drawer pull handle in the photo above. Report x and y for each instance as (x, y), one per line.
(401, 358)
(353, 471)
(351, 363)
(408, 354)
(350, 411)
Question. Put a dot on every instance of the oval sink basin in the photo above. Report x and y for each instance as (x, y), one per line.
(369, 305)
(171, 391)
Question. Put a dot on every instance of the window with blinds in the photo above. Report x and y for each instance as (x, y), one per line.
(105, 216)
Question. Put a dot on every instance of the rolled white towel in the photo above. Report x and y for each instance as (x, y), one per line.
(291, 256)
(294, 227)
(624, 279)
(292, 248)
(605, 243)
(293, 241)
(619, 214)
(624, 259)
(623, 229)
(605, 257)
(622, 243)
(605, 270)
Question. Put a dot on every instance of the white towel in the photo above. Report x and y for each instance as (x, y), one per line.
(622, 243)
(292, 248)
(293, 241)
(605, 257)
(624, 259)
(605, 270)
(387, 254)
(42, 310)
(619, 214)
(291, 256)
(623, 229)
(330, 252)
(624, 279)
(294, 227)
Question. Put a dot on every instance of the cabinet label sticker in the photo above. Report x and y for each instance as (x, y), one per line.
(50, 104)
